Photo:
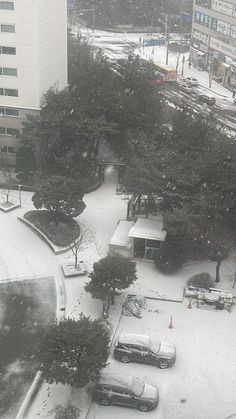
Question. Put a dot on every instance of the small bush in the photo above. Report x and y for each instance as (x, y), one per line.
(169, 258)
(202, 280)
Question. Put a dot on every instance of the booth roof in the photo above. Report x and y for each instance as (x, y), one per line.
(148, 228)
(121, 234)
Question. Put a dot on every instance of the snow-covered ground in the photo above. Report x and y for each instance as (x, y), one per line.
(201, 384)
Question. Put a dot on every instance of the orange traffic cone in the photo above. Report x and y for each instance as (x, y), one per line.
(171, 323)
(190, 304)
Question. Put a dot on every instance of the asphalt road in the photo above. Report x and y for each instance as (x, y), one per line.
(223, 110)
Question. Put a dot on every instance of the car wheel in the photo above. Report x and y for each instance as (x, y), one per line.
(143, 408)
(124, 358)
(163, 363)
(105, 402)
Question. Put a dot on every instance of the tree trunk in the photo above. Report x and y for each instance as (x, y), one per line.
(113, 296)
(148, 205)
(76, 258)
(218, 263)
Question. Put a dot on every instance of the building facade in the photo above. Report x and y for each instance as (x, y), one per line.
(213, 41)
(33, 59)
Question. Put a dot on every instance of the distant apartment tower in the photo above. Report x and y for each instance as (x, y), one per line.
(33, 59)
(213, 43)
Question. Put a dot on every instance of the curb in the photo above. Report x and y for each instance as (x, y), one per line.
(56, 249)
(219, 94)
(29, 396)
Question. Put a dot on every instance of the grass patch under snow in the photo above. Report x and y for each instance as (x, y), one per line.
(26, 309)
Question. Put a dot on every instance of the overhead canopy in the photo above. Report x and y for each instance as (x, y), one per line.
(201, 53)
(148, 228)
(120, 237)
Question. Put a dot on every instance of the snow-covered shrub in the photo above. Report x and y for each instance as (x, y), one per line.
(202, 280)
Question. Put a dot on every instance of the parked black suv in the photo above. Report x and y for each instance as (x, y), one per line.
(140, 348)
(126, 391)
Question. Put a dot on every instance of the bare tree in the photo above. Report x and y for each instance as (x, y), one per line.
(80, 244)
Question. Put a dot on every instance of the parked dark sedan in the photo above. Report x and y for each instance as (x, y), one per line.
(207, 99)
(140, 348)
(126, 391)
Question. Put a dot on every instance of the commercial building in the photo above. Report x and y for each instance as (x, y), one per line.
(213, 43)
(33, 59)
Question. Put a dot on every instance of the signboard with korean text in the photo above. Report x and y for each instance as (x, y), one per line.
(222, 6)
(225, 49)
(200, 36)
(201, 18)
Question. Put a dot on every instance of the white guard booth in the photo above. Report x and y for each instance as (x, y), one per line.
(140, 239)
(120, 242)
(147, 235)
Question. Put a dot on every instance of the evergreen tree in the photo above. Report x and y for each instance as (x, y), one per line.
(60, 195)
(109, 274)
(74, 352)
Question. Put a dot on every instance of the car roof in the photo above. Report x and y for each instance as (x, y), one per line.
(132, 338)
(206, 96)
(124, 381)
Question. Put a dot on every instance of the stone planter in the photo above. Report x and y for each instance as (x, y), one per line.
(70, 270)
(8, 206)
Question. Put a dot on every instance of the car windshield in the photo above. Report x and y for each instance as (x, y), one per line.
(137, 386)
(155, 346)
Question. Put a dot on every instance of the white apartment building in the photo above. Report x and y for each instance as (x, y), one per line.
(213, 43)
(33, 58)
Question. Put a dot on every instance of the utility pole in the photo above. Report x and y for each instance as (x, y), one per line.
(167, 30)
(183, 61)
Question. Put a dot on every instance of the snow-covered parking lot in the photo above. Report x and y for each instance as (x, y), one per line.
(202, 382)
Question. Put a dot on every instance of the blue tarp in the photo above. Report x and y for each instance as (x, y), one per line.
(156, 41)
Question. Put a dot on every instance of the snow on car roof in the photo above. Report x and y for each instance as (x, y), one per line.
(115, 379)
(130, 338)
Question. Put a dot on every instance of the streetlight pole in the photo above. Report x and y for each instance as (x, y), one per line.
(167, 28)
(183, 61)
(19, 188)
(166, 24)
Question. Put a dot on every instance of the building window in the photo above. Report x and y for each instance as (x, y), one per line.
(2, 130)
(9, 112)
(9, 131)
(11, 150)
(8, 149)
(8, 92)
(13, 131)
(201, 18)
(8, 28)
(7, 5)
(8, 50)
(12, 112)
(5, 71)
(4, 149)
